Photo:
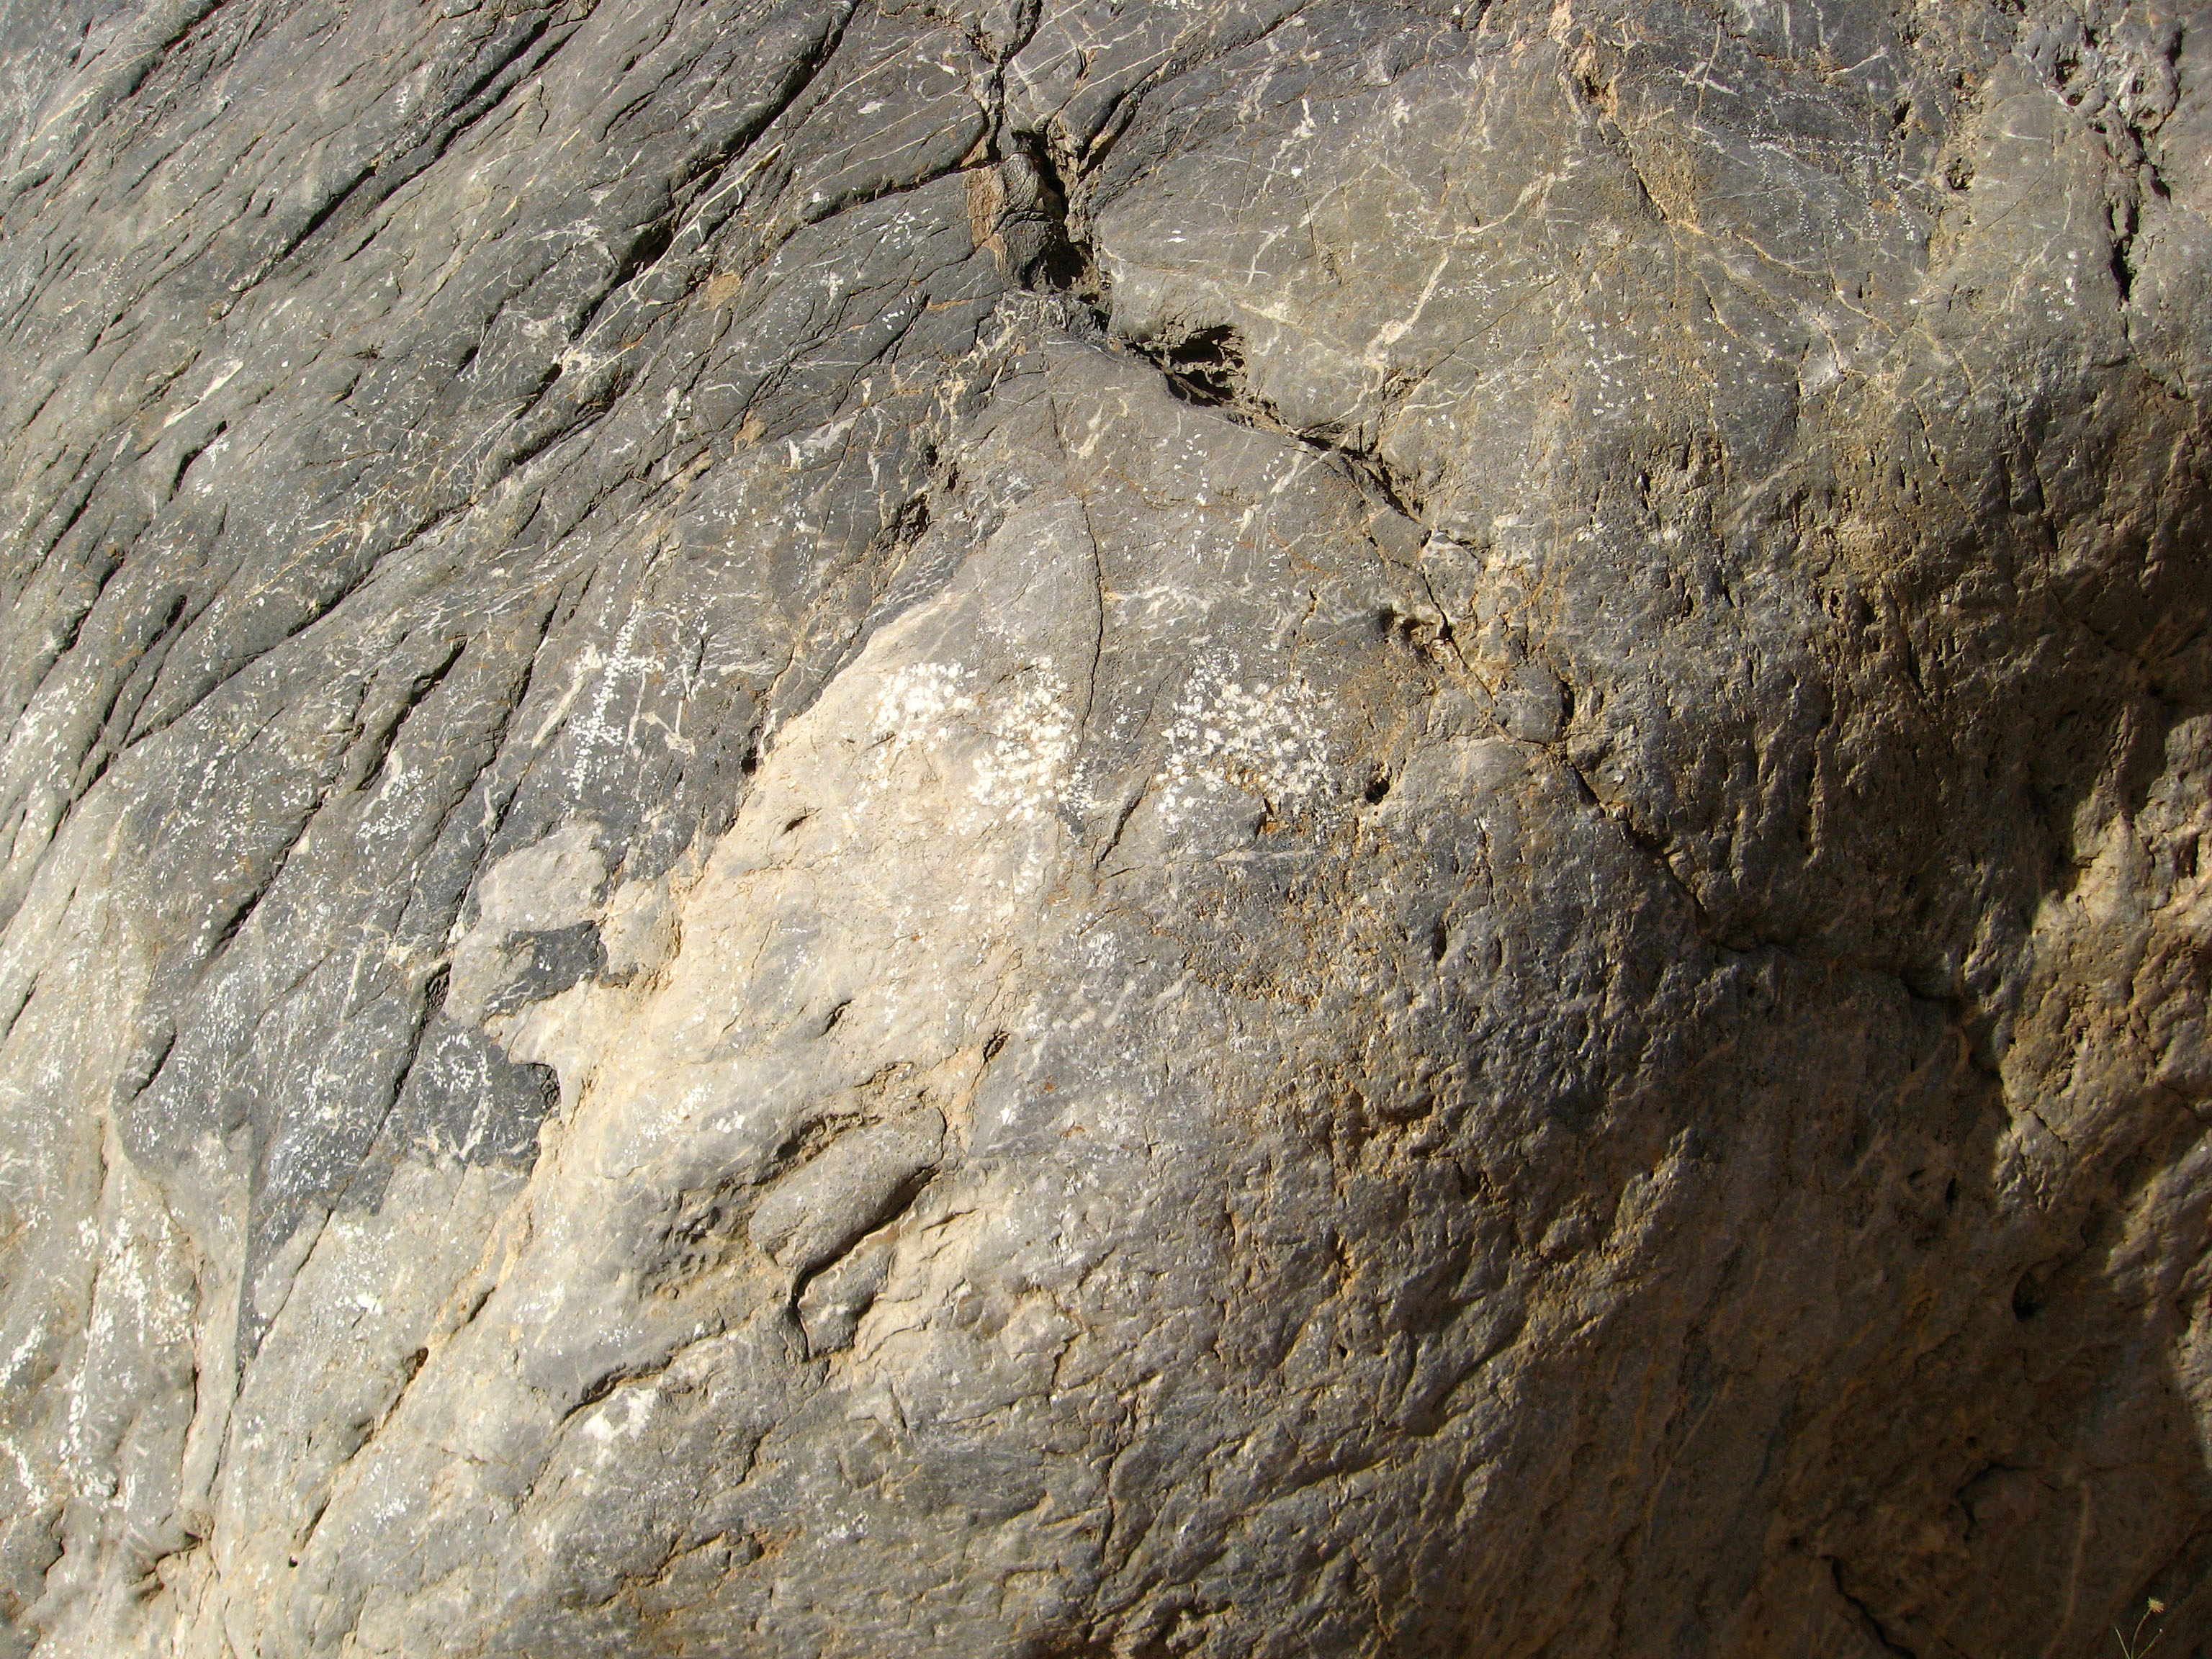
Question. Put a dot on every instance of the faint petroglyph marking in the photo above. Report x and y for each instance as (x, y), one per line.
(1017, 736)
(1259, 737)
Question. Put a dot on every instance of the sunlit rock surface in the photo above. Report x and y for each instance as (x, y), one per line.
(1139, 828)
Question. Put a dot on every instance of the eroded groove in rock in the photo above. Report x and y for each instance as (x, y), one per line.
(1353, 829)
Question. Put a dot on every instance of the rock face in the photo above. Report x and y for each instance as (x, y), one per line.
(1105, 827)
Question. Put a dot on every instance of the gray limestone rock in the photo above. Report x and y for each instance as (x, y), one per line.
(1080, 827)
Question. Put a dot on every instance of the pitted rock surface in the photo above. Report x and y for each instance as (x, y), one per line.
(1105, 828)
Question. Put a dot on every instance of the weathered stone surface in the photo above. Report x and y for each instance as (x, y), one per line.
(1137, 827)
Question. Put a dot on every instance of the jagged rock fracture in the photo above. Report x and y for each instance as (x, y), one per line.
(1104, 828)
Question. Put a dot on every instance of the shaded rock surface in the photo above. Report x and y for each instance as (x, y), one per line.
(1104, 827)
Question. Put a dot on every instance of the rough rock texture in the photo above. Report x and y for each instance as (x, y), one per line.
(1112, 827)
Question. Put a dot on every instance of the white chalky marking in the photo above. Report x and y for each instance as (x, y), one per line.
(1263, 739)
(1022, 736)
